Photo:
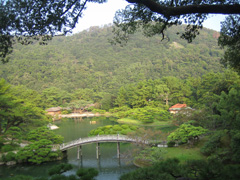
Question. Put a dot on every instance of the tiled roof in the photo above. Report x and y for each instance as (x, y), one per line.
(178, 106)
(54, 109)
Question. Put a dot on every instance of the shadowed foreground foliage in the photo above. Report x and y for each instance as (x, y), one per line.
(56, 173)
(171, 169)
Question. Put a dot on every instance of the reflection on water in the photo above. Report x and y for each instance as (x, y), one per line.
(109, 166)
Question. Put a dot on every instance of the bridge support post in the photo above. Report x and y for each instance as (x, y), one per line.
(118, 149)
(79, 152)
(98, 150)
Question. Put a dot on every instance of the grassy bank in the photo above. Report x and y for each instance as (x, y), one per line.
(183, 153)
(137, 122)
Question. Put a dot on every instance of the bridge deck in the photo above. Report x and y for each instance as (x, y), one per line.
(102, 138)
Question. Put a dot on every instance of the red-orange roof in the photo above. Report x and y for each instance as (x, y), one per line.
(178, 106)
(54, 109)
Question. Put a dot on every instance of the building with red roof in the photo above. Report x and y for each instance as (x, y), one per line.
(54, 111)
(177, 107)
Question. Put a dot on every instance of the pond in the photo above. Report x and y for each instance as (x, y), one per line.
(109, 166)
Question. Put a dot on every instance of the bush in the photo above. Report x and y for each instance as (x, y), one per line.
(11, 156)
(21, 177)
(38, 152)
(171, 143)
(97, 131)
(125, 131)
(101, 133)
(134, 128)
(101, 111)
(59, 169)
(124, 126)
(44, 133)
(113, 132)
(7, 148)
(212, 144)
(118, 109)
(66, 111)
(117, 128)
(108, 127)
(87, 173)
(107, 132)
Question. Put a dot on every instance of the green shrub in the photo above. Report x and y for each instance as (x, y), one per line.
(101, 111)
(1, 142)
(7, 148)
(97, 131)
(125, 131)
(171, 143)
(59, 169)
(66, 111)
(102, 128)
(113, 132)
(101, 133)
(107, 132)
(213, 144)
(21, 177)
(124, 126)
(117, 128)
(87, 173)
(108, 127)
(11, 156)
(118, 109)
(92, 132)
(134, 128)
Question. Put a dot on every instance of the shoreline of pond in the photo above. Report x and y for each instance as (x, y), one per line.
(86, 114)
(71, 130)
(73, 115)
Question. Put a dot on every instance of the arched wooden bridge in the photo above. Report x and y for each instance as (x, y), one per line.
(99, 139)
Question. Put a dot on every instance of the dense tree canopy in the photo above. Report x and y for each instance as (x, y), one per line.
(86, 63)
(230, 37)
(16, 112)
(28, 20)
(24, 21)
(166, 13)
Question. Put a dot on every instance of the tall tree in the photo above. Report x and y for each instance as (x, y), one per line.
(15, 112)
(230, 38)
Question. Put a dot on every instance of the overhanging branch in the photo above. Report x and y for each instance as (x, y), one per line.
(189, 9)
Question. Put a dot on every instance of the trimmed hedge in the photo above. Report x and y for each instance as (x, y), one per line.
(113, 129)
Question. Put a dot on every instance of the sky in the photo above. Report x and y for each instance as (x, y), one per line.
(102, 14)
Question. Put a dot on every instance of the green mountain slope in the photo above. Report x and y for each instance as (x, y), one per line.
(88, 60)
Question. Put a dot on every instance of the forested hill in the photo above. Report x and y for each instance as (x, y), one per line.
(88, 60)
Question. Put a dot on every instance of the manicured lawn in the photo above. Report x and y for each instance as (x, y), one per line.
(136, 122)
(129, 121)
(183, 153)
(167, 128)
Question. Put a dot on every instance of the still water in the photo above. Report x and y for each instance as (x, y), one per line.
(109, 166)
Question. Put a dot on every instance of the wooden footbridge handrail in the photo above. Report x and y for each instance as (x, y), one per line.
(98, 139)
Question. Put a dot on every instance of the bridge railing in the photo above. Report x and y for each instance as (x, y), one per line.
(100, 138)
